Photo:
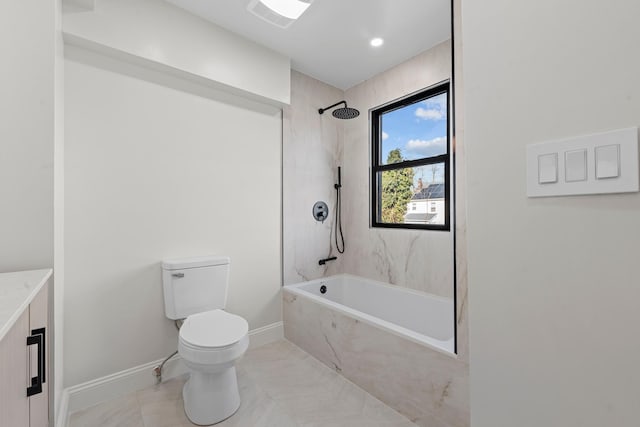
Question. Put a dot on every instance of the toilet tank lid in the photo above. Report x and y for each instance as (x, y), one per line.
(193, 262)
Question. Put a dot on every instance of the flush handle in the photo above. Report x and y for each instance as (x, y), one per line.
(178, 275)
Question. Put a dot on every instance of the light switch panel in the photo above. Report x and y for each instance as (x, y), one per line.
(548, 168)
(589, 164)
(608, 161)
(575, 165)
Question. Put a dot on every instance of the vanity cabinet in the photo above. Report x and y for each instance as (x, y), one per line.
(24, 364)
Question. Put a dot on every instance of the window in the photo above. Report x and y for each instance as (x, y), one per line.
(410, 169)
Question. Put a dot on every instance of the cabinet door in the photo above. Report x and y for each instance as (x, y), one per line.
(38, 320)
(14, 403)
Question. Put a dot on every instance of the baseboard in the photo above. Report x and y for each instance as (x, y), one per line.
(87, 394)
(266, 335)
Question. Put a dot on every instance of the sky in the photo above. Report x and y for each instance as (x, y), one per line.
(419, 130)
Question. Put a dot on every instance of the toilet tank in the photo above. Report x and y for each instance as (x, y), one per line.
(194, 285)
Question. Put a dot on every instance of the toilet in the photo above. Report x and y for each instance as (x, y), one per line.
(210, 339)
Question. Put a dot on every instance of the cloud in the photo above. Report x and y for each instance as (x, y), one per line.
(429, 114)
(433, 108)
(419, 148)
(384, 135)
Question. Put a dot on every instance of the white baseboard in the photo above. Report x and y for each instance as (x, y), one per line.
(266, 335)
(87, 394)
(92, 392)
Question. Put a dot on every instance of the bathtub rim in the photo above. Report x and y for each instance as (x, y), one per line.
(376, 322)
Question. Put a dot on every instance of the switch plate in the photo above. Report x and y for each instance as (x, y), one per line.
(617, 170)
(575, 165)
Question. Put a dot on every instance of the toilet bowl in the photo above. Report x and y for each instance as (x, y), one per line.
(210, 339)
(209, 344)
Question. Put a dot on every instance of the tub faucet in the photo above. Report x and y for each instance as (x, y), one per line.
(324, 261)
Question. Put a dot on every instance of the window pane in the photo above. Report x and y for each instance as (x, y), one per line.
(413, 195)
(414, 131)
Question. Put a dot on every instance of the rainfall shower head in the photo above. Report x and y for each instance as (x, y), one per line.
(342, 113)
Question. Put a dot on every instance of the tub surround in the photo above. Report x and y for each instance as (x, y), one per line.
(312, 151)
(313, 147)
(416, 316)
(416, 259)
(427, 386)
(17, 290)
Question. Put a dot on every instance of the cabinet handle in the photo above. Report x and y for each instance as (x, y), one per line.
(43, 348)
(36, 382)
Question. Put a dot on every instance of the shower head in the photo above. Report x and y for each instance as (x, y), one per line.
(341, 113)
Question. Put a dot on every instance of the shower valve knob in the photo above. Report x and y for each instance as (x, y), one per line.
(320, 211)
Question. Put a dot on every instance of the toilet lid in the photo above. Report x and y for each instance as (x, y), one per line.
(215, 328)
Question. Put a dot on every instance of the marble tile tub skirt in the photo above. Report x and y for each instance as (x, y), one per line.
(427, 385)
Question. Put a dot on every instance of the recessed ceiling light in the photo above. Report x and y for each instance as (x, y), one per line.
(376, 42)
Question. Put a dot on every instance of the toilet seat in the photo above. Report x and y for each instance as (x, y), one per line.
(213, 337)
(213, 329)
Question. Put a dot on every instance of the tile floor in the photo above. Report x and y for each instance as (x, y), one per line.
(280, 386)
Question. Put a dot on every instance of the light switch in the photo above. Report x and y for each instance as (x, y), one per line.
(608, 161)
(599, 163)
(548, 168)
(575, 165)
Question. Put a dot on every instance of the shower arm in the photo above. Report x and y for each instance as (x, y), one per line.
(322, 110)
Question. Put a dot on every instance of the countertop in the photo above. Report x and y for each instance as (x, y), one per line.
(17, 290)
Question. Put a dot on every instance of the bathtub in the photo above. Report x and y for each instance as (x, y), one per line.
(419, 317)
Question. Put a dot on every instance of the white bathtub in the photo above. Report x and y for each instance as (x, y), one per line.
(422, 318)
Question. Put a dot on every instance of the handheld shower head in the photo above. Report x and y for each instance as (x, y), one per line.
(341, 113)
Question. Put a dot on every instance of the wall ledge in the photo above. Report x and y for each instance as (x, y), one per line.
(71, 40)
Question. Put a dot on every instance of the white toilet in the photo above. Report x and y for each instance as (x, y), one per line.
(211, 340)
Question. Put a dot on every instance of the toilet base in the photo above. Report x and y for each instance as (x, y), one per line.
(211, 397)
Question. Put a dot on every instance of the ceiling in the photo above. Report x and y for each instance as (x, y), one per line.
(330, 41)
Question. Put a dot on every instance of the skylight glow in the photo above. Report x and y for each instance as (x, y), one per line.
(291, 9)
(376, 42)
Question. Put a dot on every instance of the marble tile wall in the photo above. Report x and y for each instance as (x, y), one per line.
(462, 308)
(417, 259)
(312, 151)
(428, 387)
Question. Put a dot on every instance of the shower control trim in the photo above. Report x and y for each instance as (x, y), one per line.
(320, 211)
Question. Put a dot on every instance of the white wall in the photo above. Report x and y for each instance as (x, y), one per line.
(553, 282)
(175, 41)
(26, 134)
(154, 168)
(58, 212)
(30, 107)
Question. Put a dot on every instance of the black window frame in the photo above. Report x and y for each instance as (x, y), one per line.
(377, 166)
